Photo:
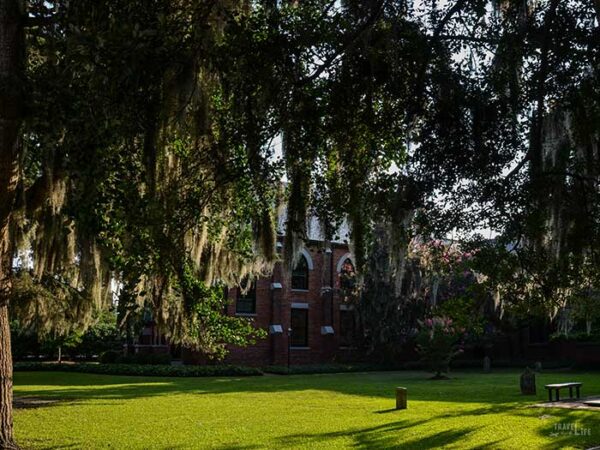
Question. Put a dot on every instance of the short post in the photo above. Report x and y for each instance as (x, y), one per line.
(401, 398)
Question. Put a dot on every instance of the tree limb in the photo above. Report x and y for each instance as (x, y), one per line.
(375, 14)
(40, 21)
(420, 79)
(536, 135)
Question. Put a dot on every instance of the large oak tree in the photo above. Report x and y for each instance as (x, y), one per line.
(136, 142)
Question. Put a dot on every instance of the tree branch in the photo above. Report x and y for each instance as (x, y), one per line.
(347, 45)
(536, 138)
(40, 21)
(518, 167)
(536, 135)
(420, 80)
(465, 38)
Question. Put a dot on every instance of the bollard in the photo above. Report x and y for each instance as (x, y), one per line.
(401, 398)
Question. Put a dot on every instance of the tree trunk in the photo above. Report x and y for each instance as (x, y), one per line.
(588, 326)
(6, 368)
(6, 425)
(59, 354)
(12, 45)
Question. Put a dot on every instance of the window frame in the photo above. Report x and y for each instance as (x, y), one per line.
(304, 276)
(251, 299)
(293, 336)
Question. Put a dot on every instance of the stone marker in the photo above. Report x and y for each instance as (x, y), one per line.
(487, 364)
(401, 398)
(538, 366)
(528, 382)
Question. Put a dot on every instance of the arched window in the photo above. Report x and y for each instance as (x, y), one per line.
(246, 302)
(300, 274)
(347, 275)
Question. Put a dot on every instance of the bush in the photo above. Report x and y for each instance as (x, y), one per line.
(438, 342)
(117, 357)
(109, 357)
(496, 363)
(101, 337)
(145, 358)
(140, 369)
(576, 337)
(326, 368)
(24, 344)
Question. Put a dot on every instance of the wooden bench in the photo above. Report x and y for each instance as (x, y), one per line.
(558, 386)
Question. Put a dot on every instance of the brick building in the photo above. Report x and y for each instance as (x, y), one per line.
(303, 311)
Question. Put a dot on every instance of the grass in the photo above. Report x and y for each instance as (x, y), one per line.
(471, 410)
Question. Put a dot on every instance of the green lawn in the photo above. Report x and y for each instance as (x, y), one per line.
(471, 410)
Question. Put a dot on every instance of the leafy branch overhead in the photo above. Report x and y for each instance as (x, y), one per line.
(159, 140)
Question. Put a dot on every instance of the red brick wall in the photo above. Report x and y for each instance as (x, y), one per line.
(274, 307)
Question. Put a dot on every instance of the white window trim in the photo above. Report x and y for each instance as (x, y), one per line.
(309, 261)
(343, 259)
(299, 305)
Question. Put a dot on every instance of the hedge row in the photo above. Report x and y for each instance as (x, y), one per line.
(496, 363)
(579, 337)
(327, 368)
(146, 370)
(149, 370)
(117, 357)
(413, 365)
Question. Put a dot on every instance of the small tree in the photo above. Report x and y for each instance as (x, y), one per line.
(50, 310)
(56, 343)
(438, 342)
(586, 307)
(102, 336)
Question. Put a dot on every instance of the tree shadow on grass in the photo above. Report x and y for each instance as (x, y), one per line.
(437, 440)
(29, 402)
(239, 447)
(499, 408)
(69, 385)
(566, 428)
(478, 395)
(42, 444)
(380, 437)
(482, 395)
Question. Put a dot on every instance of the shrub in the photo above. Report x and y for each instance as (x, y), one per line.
(24, 343)
(117, 357)
(140, 369)
(576, 337)
(145, 358)
(109, 357)
(325, 368)
(102, 336)
(438, 342)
